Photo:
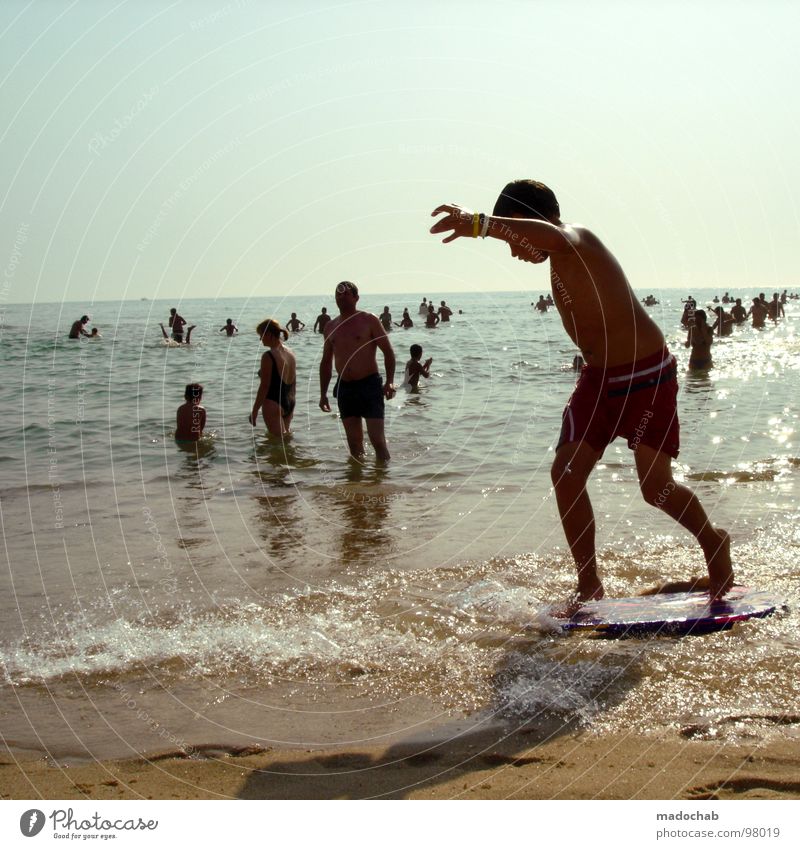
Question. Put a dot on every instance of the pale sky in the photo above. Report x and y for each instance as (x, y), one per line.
(222, 148)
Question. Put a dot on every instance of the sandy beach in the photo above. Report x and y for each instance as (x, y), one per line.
(487, 765)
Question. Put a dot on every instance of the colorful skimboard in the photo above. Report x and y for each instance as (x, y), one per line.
(671, 613)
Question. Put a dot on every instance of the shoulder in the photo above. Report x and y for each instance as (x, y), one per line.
(579, 234)
(330, 326)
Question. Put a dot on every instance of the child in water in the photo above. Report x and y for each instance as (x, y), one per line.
(191, 418)
(414, 368)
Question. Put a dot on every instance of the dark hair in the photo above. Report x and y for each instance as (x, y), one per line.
(84, 319)
(527, 198)
(700, 314)
(416, 350)
(193, 391)
(271, 327)
(346, 284)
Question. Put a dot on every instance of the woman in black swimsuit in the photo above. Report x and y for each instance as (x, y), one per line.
(275, 396)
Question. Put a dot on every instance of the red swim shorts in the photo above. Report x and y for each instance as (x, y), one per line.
(637, 401)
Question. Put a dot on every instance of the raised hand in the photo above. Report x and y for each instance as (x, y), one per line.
(458, 219)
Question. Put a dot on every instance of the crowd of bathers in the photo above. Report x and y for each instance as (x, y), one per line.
(275, 399)
(700, 334)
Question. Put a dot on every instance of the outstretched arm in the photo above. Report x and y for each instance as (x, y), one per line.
(524, 232)
(382, 341)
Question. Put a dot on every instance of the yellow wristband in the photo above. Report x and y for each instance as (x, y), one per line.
(476, 225)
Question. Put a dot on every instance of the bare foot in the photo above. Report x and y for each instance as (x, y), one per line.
(567, 609)
(720, 571)
(692, 585)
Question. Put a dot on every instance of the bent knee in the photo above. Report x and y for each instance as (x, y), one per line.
(656, 494)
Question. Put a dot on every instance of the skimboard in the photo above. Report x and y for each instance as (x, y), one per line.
(671, 613)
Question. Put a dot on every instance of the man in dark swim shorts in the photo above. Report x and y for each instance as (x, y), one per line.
(361, 398)
(351, 342)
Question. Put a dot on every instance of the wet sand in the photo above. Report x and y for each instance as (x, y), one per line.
(487, 765)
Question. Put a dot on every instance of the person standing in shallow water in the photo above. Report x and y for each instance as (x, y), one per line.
(322, 319)
(699, 339)
(351, 343)
(278, 376)
(78, 328)
(629, 373)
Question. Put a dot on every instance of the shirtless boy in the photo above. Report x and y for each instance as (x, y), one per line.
(415, 367)
(191, 417)
(629, 376)
(351, 342)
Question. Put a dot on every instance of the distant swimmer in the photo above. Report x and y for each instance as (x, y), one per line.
(415, 368)
(405, 321)
(784, 296)
(577, 362)
(230, 328)
(699, 339)
(759, 312)
(322, 320)
(352, 341)
(423, 307)
(173, 340)
(776, 309)
(95, 334)
(650, 301)
(726, 298)
(629, 387)
(78, 328)
(738, 312)
(176, 323)
(444, 312)
(541, 304)
(689, 307)
(294, 324)
(723, 323)
(431, 319)
(386, 319)
(191, 418)
(275, 397)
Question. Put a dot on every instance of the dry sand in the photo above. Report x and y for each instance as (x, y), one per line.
(481, 766)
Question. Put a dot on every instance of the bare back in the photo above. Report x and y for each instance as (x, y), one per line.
(284, 361)
(598, 308)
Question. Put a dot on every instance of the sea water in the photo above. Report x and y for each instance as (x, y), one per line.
(249, 590)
